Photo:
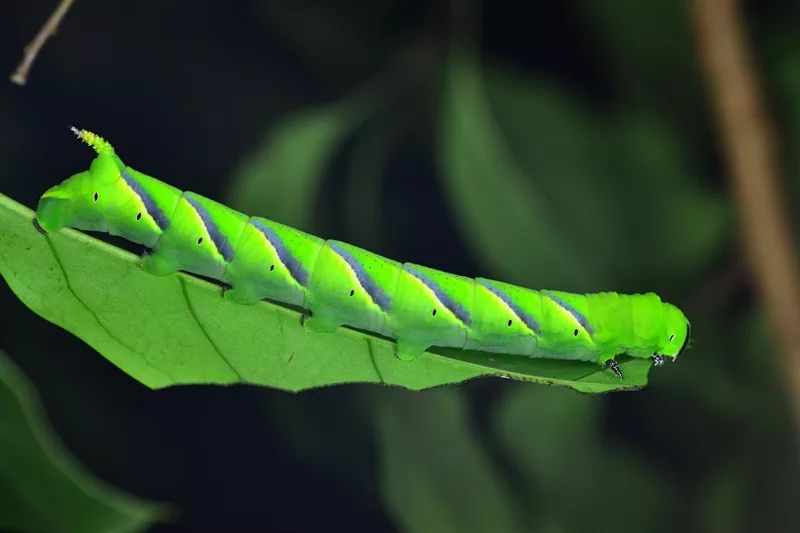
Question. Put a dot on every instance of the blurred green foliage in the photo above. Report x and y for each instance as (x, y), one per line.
(436, 476)
(566, 481)
(42, 488)
(290, 164)
(551, 190)
(562, 145)
(586, 200)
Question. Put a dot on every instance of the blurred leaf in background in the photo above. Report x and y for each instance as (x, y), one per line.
(282, 177)
(554, 197)
(573, 479)
(42, 488)
(552, 189)
(435, 475)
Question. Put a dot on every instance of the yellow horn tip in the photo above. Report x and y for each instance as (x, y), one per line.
(98, 144)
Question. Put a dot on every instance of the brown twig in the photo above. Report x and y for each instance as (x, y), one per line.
(748, 140)
(20, 75)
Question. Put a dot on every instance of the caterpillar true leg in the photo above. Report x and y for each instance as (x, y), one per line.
(658, 359)
(613, 365)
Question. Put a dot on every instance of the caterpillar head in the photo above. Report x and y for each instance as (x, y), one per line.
(79, 201)
(676, 332)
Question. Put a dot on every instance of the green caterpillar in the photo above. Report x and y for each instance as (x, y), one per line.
(339, 284)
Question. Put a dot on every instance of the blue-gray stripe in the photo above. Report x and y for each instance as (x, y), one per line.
(454, 307)
(296, 270)
(150, 206)
(374, 290)
(222, 244)
(571, 310)
(527, 319)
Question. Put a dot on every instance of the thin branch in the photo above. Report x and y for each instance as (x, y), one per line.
(20, 75)
(748, 140)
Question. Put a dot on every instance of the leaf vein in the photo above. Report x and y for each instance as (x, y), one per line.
(372, 359)
(92, 312)
(203, 329)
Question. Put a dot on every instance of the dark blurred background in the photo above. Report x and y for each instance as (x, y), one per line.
(563, 145)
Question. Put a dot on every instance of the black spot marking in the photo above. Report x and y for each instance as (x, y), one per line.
(200, 240)
(571, 310)
(509, 321)
(374, 290)
(434, 312)
(527, 319)
(671, 337)
(575, 333)
(352, 292)
(453, 306)
(138, 216)
(271, 268)
(150, 206)
(220, 242)
(96, 197)
(296, 270)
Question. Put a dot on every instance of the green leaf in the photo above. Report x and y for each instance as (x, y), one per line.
(362, 191)
(435, 476)
(576, 480)
(178, 329)
(489, 190)
(552, 194)
(43, 488)
(282, 175)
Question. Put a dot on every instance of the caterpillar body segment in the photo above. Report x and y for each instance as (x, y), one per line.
(346, 287)
(341, 284)
(271, 260)
(200, 238)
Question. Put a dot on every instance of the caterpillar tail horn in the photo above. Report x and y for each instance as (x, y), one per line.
(98, 144)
